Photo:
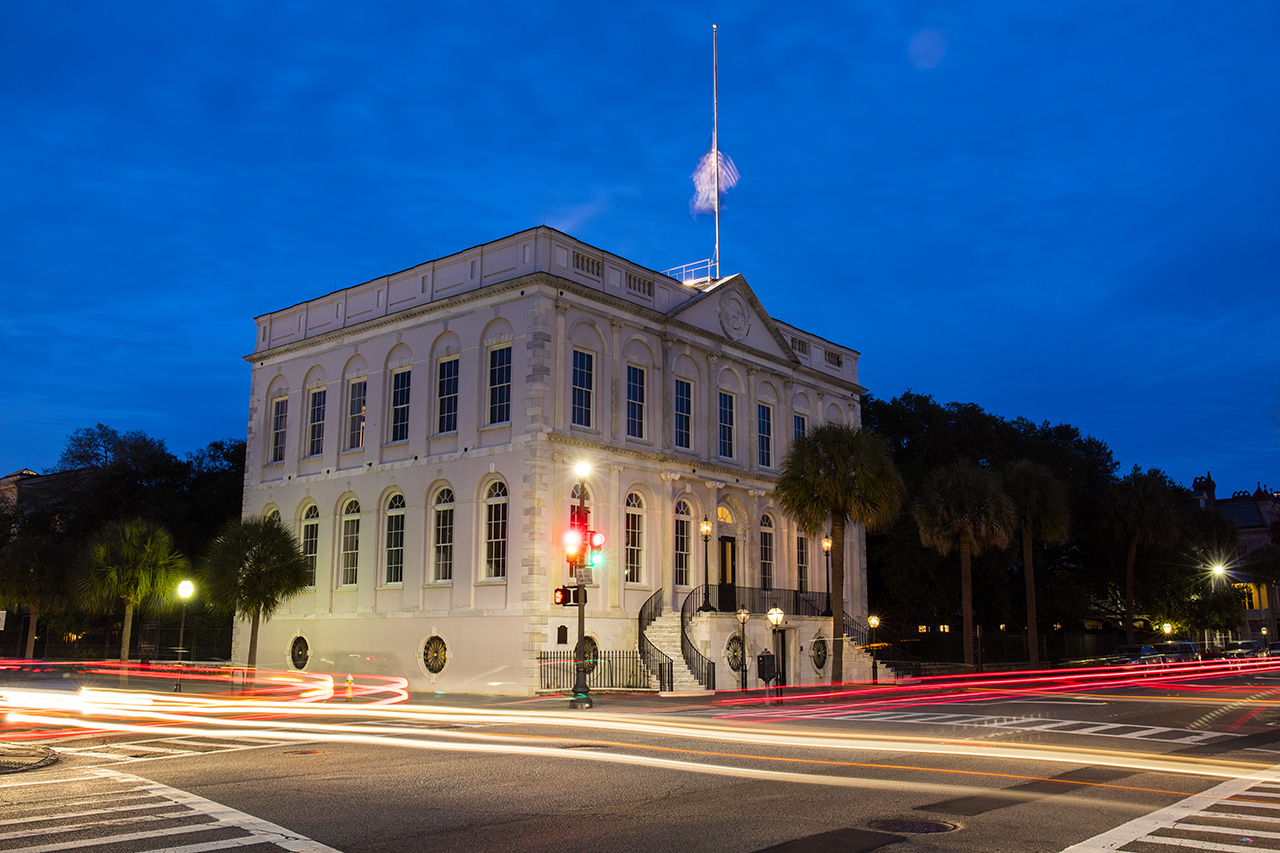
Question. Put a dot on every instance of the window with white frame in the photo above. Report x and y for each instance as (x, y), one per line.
(279, 423)
(764, 435)
(766, 552)
(802, 563)
(495, 531)
(350, 543)
(799, 425)
(684, 538)
(726, 424)
(273, 514)
(447, 396)
(400, 405)
(579, 513)
(684, 414)
(500, 385)
(315, 423)
(635, 401)
(355, 414)
(395, 539)
(583, 383)
(442, 535)
(634, 556)
(311, 539)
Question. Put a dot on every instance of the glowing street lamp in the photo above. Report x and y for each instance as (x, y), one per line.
(743, 615)
(185, 589)
(826, 552)
(873, 622)
(581, 691)
(704, 527)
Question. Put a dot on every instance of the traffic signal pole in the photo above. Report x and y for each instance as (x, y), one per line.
(581, 692)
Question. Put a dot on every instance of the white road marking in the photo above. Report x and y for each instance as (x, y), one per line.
(1071, 727)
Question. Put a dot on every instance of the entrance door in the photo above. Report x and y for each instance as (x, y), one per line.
(728, 570)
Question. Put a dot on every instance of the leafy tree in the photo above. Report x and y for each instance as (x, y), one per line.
(34, 572)
(1040, 507)
(133, 561)
(963, 507)
(252, 567)
(1140, 513)
(841, 473)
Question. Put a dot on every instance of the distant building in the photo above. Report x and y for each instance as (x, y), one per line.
(420, 432)
(1255, 514)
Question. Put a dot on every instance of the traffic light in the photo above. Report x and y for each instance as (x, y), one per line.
(568, 596)
(595, 544)
(574, 546)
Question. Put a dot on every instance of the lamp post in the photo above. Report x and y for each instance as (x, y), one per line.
(743, 615)
(826, 553)
(775, 617)
(873, 622)
(581, 691)
(184, 592)
(704, 527)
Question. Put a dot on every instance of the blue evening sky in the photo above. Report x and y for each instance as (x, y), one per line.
(1064, 211)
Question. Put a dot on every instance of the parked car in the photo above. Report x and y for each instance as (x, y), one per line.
(1275, 650)
(1244, 649)
(1179, 651)
(1124, 655)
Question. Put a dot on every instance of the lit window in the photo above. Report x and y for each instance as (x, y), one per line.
(684, 532)
(583, 384)
(635, 402)
(315, 423)
(279, 423)
(395, 539)
(495, 530)
(766, 552)
(726, 425)
(355, 414)
(764, 435)
(684, 413)
(634, 556)
(400, 406)
(802, 564)
(500, 385)
(447, 396)
(311, 539)
(443, 535)
(350, 542)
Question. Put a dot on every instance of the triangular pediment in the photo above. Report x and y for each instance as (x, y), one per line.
(731, 310)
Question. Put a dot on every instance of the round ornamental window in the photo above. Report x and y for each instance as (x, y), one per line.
(299, 652)
(590, 653)
(733, 651)
(434, 654)
(818, 651)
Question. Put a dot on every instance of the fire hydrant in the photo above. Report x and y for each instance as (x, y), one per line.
(349, 684)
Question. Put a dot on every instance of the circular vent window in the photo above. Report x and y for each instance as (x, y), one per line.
(434, 654)
(818, 651)
(299, 652)
(590, 653)
(733, 651)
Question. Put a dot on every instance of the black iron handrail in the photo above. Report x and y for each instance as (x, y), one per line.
(654, 658)
(702, 668)
(791, 601)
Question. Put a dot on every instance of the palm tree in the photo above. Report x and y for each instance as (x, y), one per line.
(34, 570)
(252, 567)
(844, 474)
(1040, 504)
(963, 507)
(134, 561)
(1140, 513)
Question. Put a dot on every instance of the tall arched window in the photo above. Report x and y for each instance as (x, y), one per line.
(766, 552)
(442, 535)
(395, 539)
(634, 556)
(579, 512)
(311, 538)
(272, 514)
(684, 535)
(350, 542)
(495, 531)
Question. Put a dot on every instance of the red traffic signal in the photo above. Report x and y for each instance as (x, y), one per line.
(568, 596)
(573, 545)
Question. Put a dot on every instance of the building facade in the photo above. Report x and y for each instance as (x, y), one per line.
(420, 433)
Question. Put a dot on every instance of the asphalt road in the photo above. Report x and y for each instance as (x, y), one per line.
(1150, 763)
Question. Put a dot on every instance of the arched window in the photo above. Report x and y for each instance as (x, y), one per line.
(684, 535)
(442, 535)
(495, 531)
(395, 539)
(578, 515)
(634, 556)
(311, 538)
(766, 552)
(350, 542)
(273, 514)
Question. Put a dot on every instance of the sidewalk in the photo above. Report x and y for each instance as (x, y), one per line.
(15, 758)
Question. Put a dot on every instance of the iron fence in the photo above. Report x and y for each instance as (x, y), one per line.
(607, 670)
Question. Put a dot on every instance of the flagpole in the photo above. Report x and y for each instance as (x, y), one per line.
(715, 133)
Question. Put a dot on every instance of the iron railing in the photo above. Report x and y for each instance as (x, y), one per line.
(790, 601)
(654, 658)
(608, 670)
(702, 668)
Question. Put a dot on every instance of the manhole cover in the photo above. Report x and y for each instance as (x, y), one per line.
(918, 826)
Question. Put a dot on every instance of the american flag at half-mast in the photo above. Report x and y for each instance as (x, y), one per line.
(704, 181)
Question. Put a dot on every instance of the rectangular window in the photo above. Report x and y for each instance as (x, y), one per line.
(311, 546)
(683, 528)
(444, 544)
(766, 559)
(447, 396)
(279, 421)
(726, 425)
(400, 406)
(684, 413)
(495, 540)
(315, 423)
(800, 425)
(395, 547)
(583, 383)
(634, 551)
(500, 385)
(764, 435)
(635, 402)
(802, 564)
(355, 415)
(350, 551)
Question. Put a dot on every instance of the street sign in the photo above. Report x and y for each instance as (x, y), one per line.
(584, 574)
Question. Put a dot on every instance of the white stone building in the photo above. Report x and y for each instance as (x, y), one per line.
(420, 432)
